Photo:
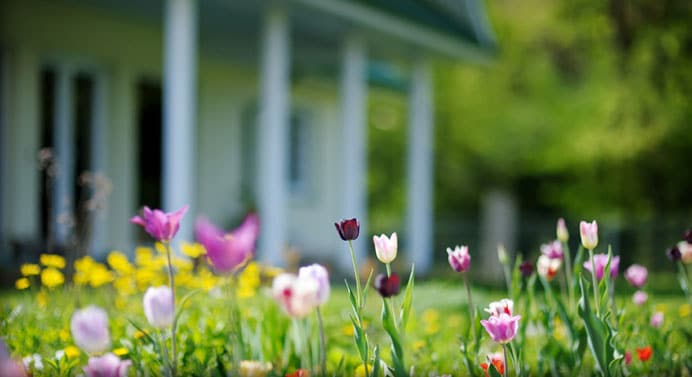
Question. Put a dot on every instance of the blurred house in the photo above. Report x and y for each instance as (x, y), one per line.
(228, 106)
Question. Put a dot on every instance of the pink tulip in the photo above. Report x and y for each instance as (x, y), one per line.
(459, 258)
(601, 260)
(296, 296)
(685, 251)
(228, 252)
(562, 233)
(385, 248)
(8, 366)
(639, 297)
(589, 234)
(505, 306)
(90, 329)
(636, 275)
(160, 225)
(657, 319)
(158, 306)
(321, 277)
(107, 365)
(552, 250)
(502, 328)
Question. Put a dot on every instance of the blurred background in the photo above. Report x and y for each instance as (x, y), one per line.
(450, 122)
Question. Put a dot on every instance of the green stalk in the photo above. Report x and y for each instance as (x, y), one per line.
(597, 304)
(356, 276)
(472, 310)
(504, 352)
(323, 343)
(171, 282)
(568, 274)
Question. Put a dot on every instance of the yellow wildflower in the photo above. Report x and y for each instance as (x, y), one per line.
(51, 277)
(431, 315)
(685, 310)
(161, 248)
(30, 269)
(140, 334)
(42, 299)
(192, 250)
(432, 328)
(84, 263)
(347, 330)
(121, 351)
(100, 275)
(22, 283)
(660, 307)
(124, 285)
(119, 262)
(360, 370)
(183, 264)
(52, 260)
(143, 255)
(71, 352)
(64, 335)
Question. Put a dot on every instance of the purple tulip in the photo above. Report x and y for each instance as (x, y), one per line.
(158, 306)
(600, 261)
(321, 276)
(640, 297)
(228, 252)
(107, 365)
(459, 258)
(387, 286)
(636, 275)
(348, 229)
(90, 329)
(160, 225)
(502, 328)
(526, 269)
(589, 234)
(552, 250)
(674, 254)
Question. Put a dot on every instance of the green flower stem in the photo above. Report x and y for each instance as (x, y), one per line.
(568, 274)
(684, 279)
(323, 343)
(389, 269)
(597, 304)
(359, 293)
(171, 282)
(472, 310)
(504, 353)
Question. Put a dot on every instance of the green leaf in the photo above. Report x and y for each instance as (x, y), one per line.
(408, 301)
(376, 363)
(397, 349)
(361, 341)
(366, 289)
(596, 331)
(183, 301)
(354, 302)
(578, 262)
(492, 371)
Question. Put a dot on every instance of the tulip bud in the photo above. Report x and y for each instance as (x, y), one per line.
(674, 254)
(387, 286)
(589, 234)
(562, 233)
(89, 328)
(459, 258)
(502, 254)
(385, 248)
(657, 319)
(321, 277)
(158, 306)
(526, 269)
(348, 229)
(639, 297)
(636, 275)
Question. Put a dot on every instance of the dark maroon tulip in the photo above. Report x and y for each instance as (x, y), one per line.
(348, 229)
(526, 269)
(688, 235)
(388, 286)
(674, 254)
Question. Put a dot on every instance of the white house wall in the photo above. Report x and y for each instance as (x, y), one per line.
(129, 50)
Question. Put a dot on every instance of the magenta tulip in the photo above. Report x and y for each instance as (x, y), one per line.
(639, 297)
(160, 225)
(552, 250)
(107, 365)
(502, 328)
(636, 275)
(228, 252)
(459, 258)
(600, 260)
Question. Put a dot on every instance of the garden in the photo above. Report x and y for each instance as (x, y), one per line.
(208, 309)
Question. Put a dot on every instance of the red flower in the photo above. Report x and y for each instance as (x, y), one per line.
(644, 354)
(348, 229)
(387, 286)
(496, 360)
(299, 373)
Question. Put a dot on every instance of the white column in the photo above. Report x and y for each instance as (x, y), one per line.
(354, 152)
(98, 152)
(179, 110)
(420, 168)
(64, 142)
(21, 179)
(122, 157)
(273, 134)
